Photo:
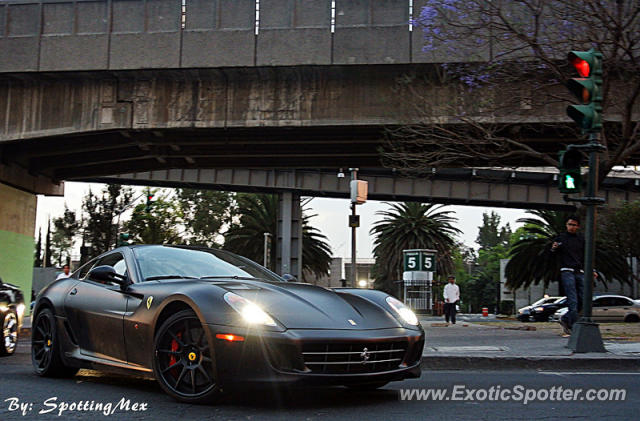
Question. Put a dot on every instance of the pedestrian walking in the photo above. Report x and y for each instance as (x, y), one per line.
(65, 272)
(451, 297)
(569, 247)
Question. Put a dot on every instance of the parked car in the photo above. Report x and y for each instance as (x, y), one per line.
(610, 308)
(199, 320)
(11, 313)
(541, 310)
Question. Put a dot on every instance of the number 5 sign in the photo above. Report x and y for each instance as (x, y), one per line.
(422, 260)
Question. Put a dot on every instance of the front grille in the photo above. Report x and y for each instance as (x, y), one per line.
(361, 357)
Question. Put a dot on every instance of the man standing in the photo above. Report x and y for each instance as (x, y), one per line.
(569, 246)
(451, 296)
(65, 272)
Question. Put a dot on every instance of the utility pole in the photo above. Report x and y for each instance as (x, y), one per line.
(354, 223)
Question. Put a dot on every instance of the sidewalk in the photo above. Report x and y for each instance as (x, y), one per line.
(502, 345)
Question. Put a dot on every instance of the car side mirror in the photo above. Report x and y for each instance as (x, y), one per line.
(106, 273)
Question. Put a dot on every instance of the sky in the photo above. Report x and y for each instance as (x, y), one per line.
(332, 218)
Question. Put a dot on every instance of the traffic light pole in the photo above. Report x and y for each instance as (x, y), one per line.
(585, 336)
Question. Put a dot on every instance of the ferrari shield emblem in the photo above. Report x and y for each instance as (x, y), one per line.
(149, 301)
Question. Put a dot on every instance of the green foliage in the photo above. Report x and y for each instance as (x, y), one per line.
(530, 260)
(411, 226)
(37, 261)
(258, 214)
(99, 227)
(158, 226)
(490, 234)
(205, 213)
(65, 228)
(619, 230)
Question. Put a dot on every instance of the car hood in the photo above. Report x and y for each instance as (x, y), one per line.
(304, 306)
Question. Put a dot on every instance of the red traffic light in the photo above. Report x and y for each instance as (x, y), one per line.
(582, 66)
(149, 196)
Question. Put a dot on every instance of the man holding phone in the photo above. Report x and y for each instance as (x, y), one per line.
(569, 246)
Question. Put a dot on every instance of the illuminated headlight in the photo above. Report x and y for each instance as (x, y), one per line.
(20, 310)
(403, 311)
(249, 311)
(538, 309)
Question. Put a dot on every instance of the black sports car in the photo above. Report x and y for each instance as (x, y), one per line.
(198, 320)
(11, 312)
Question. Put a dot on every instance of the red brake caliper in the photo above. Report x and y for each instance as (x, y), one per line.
(174, 348)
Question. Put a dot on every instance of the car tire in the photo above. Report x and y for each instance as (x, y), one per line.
(183, 361)
(632, 318)
(367, 386)
(46, 355)
(9, 333)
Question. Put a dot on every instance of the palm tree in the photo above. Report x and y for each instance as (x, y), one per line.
(406, 226)
(258, 213)
(530, 260)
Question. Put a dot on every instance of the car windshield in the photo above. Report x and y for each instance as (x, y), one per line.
(545, 300)
(162, 262)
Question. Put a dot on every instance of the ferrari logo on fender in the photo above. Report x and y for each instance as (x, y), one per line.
(149, 301)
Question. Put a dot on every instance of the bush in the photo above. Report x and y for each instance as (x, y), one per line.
(507, 307)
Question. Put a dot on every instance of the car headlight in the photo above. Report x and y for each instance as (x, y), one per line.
(250, 311)
(521, 311)
(403, 311)
(539, 309)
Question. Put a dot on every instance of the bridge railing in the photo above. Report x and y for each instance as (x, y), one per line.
(78, 35)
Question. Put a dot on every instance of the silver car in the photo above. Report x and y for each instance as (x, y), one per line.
(610, 308)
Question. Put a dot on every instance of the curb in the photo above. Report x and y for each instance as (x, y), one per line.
(570, 362)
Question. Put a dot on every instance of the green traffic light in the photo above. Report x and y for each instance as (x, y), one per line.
(569, 182)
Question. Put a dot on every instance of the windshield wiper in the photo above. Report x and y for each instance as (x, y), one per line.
(154, 278)
(249, 278)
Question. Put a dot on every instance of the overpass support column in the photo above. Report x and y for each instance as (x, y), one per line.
(17, 225)
(289, 244)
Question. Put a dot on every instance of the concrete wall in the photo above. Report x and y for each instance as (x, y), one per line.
(58, 35)
(17, 224)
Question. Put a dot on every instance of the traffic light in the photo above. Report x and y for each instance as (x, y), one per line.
(123, 239)
(588, 90)
(570, 179)
(147, 208)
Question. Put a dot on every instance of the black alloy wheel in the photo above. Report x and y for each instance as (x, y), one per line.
(45, 349)
(183, 362)
(9, 333)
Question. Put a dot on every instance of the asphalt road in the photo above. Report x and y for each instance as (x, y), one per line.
(20, 386)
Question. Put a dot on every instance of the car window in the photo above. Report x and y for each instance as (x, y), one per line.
(155, 261)
(116, 260)
(619, 301)
(598, 302)
(84, 269)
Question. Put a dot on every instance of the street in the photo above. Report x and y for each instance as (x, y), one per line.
(46, 398)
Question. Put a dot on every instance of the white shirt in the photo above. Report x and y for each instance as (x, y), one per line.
(63, 276)
(451, 293)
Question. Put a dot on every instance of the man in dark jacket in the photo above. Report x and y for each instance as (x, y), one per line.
(569, 246)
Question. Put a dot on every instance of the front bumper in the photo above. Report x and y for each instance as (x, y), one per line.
(317, 357)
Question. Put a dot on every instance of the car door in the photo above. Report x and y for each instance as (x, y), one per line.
(95, 312)
(620, 308)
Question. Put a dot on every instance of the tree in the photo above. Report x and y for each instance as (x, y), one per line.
(530, 259)
(205, 213)
(500, 96)
(407, 226)
(65, 228)
(47, 246)
(159, 226)
(490, 234)
(99, 227)
(494, 243)
(618, 233)
(257, 214)
(37, 262)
